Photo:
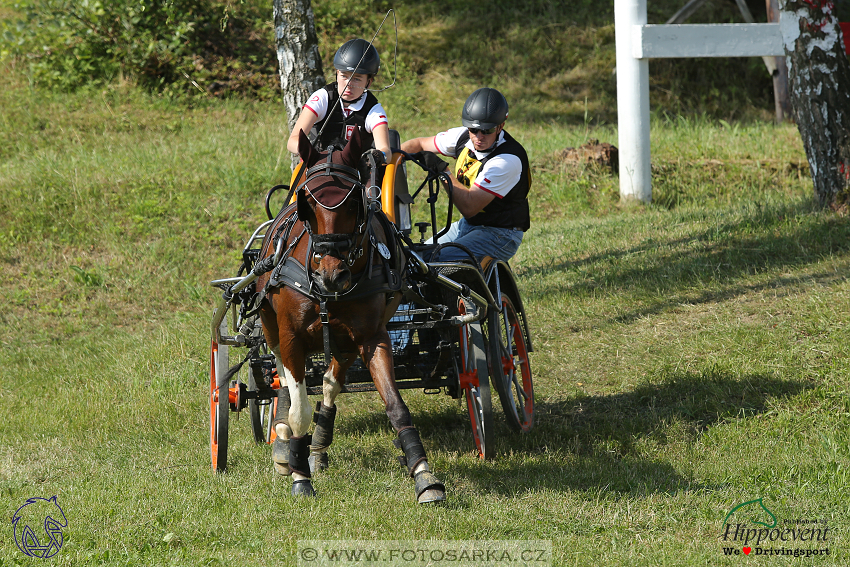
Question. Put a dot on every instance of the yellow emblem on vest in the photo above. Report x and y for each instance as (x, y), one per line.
(467, 167)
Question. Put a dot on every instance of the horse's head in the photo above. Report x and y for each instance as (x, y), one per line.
(331, 204)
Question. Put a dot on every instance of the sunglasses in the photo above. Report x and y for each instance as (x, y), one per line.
(480, 131)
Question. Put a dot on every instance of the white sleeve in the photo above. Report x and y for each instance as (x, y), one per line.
(499, 175)
(377, 116)
(318, 103)
(446, 142)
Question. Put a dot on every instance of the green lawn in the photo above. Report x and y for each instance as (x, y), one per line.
(690, 356)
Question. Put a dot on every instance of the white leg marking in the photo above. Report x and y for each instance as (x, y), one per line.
(299, 412)
(330, 387)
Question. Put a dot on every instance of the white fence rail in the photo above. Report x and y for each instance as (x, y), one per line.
(638, 42)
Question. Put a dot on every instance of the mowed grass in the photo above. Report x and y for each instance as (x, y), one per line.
(688, 356)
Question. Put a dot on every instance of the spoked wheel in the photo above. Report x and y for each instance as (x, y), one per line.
(261, 410)
(219, 406)
(510, 369)
(262, 413)
(474, 381)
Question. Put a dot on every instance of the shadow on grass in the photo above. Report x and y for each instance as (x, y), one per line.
(724, 254)
(600, 442)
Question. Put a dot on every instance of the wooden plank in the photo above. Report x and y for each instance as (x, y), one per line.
(707, 40)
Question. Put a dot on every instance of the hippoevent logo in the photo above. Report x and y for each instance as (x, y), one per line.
(37, 526)
(751, 528)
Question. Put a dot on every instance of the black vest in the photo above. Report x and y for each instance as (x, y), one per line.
(337, 131)
(510, 211)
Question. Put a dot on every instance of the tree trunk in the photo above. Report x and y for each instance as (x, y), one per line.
(298, 56)
(819, 77)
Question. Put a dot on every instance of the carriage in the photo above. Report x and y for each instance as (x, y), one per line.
(459, 329)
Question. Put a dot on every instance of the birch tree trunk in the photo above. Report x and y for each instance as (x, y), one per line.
(819, 77)
(298, 56)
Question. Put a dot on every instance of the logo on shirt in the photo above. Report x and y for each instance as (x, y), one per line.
(467, 167)
(315, 98)
(349, 129)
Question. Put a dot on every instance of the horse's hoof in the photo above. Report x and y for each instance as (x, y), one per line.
(303, 488)
(432, 495)
(428, 488)
(318, 462)
(280, 451)
(282, 469)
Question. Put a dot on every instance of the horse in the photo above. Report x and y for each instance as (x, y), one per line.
(335, 284)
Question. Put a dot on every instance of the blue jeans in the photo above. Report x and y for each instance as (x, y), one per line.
(498, 243)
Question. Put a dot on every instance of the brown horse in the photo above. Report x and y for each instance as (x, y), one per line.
(334, 286)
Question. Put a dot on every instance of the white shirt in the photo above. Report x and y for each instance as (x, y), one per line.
(498, 176)
(318, 105)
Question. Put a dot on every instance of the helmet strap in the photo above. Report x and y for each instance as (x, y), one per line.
(353, 101)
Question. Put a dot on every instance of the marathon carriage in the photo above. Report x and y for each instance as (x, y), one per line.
(460, 327)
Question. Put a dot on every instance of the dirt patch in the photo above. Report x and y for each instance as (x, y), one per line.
(592, 153)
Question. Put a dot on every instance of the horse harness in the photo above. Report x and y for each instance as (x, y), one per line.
(288, 271)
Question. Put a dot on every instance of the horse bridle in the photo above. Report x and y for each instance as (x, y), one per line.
(334, 244)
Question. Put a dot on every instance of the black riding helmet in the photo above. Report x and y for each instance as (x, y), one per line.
(485, 108)
(350, 57)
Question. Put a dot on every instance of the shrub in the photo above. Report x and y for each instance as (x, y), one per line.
(159, 44)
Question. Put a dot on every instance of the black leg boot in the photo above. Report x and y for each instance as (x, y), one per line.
(299, 453)
(323, 436)
(427, 487)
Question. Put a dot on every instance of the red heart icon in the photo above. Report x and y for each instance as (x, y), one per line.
(747, 550)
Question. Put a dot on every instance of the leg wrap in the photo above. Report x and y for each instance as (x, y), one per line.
(323, 434)
(281, 414)
(409, 442)
(280, 451)
(280, 447)
(299, 453)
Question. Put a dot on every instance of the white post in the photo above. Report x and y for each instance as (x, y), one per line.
(632, 103)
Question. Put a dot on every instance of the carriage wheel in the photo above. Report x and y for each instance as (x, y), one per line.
(474, 381)
(219, 407)
(262, 415)
(510, 368)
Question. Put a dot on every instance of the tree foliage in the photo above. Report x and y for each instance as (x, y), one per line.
(159, 44)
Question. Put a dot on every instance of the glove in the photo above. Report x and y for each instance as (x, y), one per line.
(377, 155)
(431, 161)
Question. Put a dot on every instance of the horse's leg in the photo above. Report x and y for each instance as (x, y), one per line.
(325, 414)
(377, 355)
(280, 447)
(299, 420)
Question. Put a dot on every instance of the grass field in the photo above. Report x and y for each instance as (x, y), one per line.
(690, 356)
